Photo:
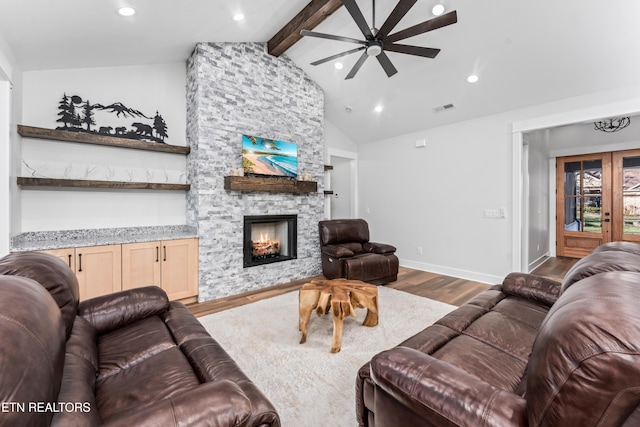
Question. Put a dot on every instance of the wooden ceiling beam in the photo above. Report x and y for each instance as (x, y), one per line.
(308, 18)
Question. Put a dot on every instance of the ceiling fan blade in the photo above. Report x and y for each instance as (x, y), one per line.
(396, 15)
(339, 55)
(356, 67)
(388, 67)
(357, 16)
(331, 37)
(427, 52)
(430, 25)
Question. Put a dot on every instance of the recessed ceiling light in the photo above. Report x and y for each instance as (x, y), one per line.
(438, 9)
(126, 11)
(378, 108)
(472, 78)
(238, 17)
(338, 65)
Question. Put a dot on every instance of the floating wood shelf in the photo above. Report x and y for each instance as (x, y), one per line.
(328, 192)
(98, 139)
(328, 167)
(274, 185)
(84, 183)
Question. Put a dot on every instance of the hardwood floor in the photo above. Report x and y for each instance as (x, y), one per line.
(451, 290)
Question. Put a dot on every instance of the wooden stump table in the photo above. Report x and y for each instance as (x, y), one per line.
(342, 297)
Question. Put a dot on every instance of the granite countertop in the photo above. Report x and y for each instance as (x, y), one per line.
(43, 240)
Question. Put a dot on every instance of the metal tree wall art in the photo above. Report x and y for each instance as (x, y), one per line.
(78, 115)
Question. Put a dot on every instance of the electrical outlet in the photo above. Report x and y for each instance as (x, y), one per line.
(419, 250)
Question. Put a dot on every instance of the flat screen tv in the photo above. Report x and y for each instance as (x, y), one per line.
(269, 157)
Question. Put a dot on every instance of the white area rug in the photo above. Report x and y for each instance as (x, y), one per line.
(308, 385)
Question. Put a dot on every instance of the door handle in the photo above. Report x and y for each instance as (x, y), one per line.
(79, 262)
(165, 253)
(157, 254)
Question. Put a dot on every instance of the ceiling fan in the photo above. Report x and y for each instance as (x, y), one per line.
(377, 41)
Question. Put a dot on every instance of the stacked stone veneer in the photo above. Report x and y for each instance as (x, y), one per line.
(235, 89)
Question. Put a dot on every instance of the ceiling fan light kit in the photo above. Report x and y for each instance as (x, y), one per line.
(377, 41)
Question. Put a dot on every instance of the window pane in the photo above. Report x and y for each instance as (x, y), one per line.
(592, 215)
(631, 195)
(592, 177)
(572, 178)
(572, 214)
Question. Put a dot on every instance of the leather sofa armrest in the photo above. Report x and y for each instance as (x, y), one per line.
(337, 251)
(442, 393)
(220, 403)
(535, 288)
(109, 312)
(379, 248)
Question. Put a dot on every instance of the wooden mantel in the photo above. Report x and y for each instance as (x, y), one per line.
(273, 185)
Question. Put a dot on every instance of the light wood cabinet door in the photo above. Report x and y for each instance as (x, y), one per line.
(68, 255)
(141, 264)
(99, 270)
(180, 268)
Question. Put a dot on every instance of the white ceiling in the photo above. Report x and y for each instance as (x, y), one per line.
(525, 52)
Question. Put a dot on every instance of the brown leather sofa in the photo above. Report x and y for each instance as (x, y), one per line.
(348, 253)
(529, 352)
(127, 359)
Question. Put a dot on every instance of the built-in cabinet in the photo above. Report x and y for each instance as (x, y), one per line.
(98, 268)
(169, 264)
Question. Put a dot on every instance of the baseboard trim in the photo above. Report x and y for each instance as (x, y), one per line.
(455, 272)
(538, 262)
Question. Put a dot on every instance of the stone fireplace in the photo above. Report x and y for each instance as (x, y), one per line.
(269, 239)
(235, 89)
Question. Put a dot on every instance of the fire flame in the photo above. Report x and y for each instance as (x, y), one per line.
(264, 238)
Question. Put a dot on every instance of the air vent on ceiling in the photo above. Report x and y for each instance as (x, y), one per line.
(443, 108)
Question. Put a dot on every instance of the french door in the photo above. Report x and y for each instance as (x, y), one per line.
(597, 201)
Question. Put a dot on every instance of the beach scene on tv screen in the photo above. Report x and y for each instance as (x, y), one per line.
(262, 156)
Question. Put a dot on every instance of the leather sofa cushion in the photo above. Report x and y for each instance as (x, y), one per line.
(340, 231)
(79, 377)
(369, 266)
(52, 273)
(600, 262)
(490, 337)
(630, 247)
(140, 364)
(32, 340)
(587, 355)
(212, 363)
(106, 313)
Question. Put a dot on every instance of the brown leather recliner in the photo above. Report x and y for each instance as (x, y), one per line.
(529, 352)
(132, 358)
(348, 253)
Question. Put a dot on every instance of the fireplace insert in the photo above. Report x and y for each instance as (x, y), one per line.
(269, 238)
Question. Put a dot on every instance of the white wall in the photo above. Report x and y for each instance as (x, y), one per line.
(7, 71)
(538, 207)
(335, 139)
(149, 89)
(434, 198)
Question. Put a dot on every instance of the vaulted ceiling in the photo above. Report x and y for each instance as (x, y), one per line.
(524, 52)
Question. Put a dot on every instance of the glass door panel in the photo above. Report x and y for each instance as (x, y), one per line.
(626, 192)
(583, 196)
(583, 203)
